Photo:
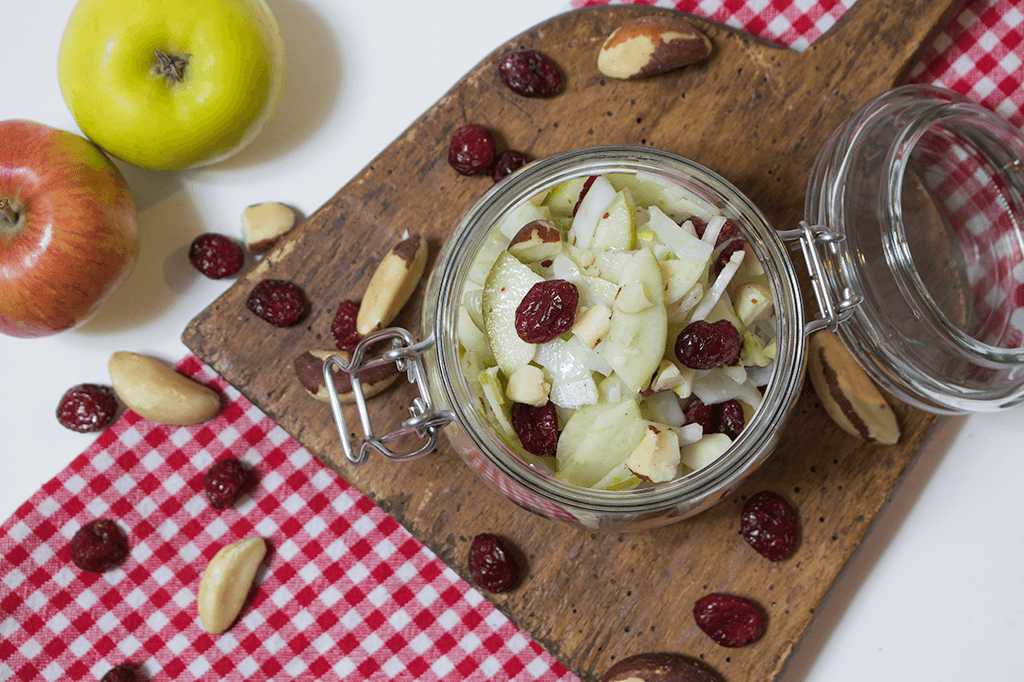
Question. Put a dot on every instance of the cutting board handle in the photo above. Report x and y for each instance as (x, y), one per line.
(881, 38)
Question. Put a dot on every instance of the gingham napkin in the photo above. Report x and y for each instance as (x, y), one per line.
(345, 592)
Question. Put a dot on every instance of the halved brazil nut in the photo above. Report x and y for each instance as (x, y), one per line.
(309, 369)
(392, 284)
(846, 391)
(226, 583)
(536, 241)
(263, 224)
(158, 392)
(651, 45)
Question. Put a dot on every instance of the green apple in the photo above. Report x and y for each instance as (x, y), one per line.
(598, 438)
(168, 84)
(494, 394)
(655, 191)
(616, 228)
(592, 206)
(705, 451)
(507, 284)
(636, 341)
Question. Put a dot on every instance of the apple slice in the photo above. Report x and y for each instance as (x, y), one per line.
(636, 341)
(494, 395)
(470, 335)
(596, 439)
(616, 228)
(680, 276)
(562, 198)
(662, 193)
(619, 478)
(507, 284)
(710, 447)
(520, 216)
(594, 204)
(753, 302)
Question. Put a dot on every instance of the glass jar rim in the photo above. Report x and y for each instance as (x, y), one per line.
(913, 112)
(783, 388)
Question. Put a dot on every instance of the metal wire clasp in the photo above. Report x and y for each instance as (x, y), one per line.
(809, 237)
(424, 421)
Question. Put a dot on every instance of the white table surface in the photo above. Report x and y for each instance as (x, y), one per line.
(936, 592)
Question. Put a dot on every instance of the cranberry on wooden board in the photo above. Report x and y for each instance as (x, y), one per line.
(529, 73)
(729, 620)
(472, 149)
(769, 525)
(509, 161)
(343, 328)
(491, 564)
(216, 255)
(277, 301)
(547, 311)
(537, 427)
(99, 546)
(87, 408)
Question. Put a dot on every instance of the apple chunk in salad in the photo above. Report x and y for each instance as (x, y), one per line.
(617, 330)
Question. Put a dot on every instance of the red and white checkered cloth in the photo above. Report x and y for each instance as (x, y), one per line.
(345, 592)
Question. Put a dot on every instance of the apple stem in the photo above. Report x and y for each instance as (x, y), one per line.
(170, 66)
(8, 211)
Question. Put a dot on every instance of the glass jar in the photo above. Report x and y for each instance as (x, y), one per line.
(925, 186)
(450, 402)
(914, 248)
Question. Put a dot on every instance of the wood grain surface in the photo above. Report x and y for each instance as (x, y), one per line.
(753, 112)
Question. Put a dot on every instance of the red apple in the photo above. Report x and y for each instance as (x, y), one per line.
(69, 232)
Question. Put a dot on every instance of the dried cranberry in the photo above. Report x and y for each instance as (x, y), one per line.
(733, 241)
(547, 311)
(537, 427)
(344, 326)
(491, 564)
(277, 301)
(698, 225)
(726, 417)
(86, 408)
(509, 161)
(587, 184)
(225, 482)
(699, 413)
(472, 149)
(706, 345)
(729, 418)
(729, 235)
(123, 672)
(729, 620)
(529, 73)
(99, 546)
(216, 256)
(769, 525)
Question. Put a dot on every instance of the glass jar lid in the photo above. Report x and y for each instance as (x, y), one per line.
(926, 186)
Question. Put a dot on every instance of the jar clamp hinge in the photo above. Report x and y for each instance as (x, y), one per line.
(424, 421)
(810, 238)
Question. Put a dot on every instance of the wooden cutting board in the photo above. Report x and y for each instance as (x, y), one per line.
(754, 113)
